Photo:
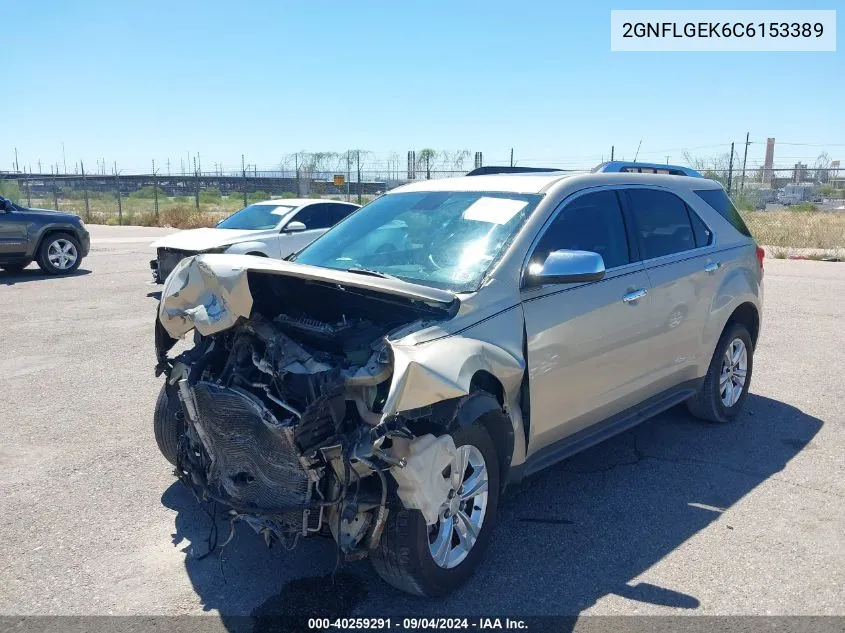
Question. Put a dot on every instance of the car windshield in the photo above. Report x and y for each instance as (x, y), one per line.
(256, 217)
(445, 239)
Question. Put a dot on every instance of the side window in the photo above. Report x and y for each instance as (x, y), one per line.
(718, 199)
(702, 234)
(592, 222)
(340, 211)
(662, 222)
(315, 216)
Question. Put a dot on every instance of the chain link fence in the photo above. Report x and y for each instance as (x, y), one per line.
(792, 212)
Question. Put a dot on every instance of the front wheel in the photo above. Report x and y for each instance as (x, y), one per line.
(168, 423)
(727, 380)
(432, 560)
(58, 254)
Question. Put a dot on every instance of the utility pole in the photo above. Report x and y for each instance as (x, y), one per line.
(296, 164)
(155, 190)
(28, 196)
(348, 172)
(612, 149)
(731, 169)
(667, 159)
(39, 165)
(119, 202)
(85, 192)
(358, 155)
(196, 185)
(243, 169)
(199, 163)
(744, 158)
(64, 160)
(511, 156)
(16, 160)
(168, 167)
(55, 193)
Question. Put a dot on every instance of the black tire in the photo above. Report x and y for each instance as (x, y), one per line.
(14, 268)
(168, 423)
(43, 260)
(707, 403)
(402, 557)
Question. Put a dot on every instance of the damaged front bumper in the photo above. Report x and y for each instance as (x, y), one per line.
(301, 413)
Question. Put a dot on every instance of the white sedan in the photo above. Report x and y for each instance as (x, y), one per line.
(272, 228)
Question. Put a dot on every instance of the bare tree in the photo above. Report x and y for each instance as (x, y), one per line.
(425, 159)
(822, 168)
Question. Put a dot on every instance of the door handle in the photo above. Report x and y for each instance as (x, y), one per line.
(712, 267)
(635, 295)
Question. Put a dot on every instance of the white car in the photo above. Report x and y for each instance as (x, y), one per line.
(272, 228)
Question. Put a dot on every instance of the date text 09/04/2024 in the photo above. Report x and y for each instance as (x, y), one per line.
(415, 624)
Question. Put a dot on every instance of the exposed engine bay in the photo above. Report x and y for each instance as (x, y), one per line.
(283, 412)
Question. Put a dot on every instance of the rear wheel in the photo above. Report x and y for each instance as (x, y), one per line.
(431, 560)
(727, 380)
(168, 423)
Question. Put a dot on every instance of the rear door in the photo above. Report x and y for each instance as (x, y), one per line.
(677, 253)
(586, 341)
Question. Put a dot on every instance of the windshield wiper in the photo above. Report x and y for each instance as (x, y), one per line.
(371, 273)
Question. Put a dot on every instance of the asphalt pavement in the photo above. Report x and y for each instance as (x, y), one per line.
(674, 517)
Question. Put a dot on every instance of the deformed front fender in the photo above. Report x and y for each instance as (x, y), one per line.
(443, 369)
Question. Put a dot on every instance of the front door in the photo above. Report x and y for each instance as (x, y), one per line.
(586, 342)
(13, 238)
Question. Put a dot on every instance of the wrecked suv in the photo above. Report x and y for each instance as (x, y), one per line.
(386, 397)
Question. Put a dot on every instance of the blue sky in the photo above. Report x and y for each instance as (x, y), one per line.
(135, 81)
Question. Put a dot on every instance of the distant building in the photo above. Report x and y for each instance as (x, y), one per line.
(769, 162)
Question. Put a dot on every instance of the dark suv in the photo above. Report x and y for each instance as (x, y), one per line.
(57, 241)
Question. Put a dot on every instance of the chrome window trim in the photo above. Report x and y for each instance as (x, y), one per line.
(623, 269)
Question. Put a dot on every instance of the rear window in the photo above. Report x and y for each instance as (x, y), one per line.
(718, 199)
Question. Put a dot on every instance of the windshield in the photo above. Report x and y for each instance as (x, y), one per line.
(444, 239)
(256, 217)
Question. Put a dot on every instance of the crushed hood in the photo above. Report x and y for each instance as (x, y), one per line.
(211, 292)
(203, 239)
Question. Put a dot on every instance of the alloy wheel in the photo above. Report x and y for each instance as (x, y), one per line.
(62, 254)
(463, 512)
(734, 371)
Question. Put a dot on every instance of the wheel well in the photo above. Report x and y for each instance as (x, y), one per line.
(499, 426)
(747, 315)
(49, 233)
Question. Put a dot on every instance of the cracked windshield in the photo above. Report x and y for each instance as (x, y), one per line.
(445, 240)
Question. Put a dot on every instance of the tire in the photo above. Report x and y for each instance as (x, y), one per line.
(168, 423)
(53, 263)
(14, 268)
(403, 557)
(708, 404)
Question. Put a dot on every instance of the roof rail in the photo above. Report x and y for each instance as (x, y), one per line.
(617, 166)
(492, 169)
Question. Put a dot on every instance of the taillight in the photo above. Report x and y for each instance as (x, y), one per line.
(761, 255)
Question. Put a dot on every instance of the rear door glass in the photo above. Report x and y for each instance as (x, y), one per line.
(662, 223)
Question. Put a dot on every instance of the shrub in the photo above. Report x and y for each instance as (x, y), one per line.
(184, 216)
(290, 194)
(804, 206)
(11, 190)
(258, 196)
(212, 194)
(147, 193)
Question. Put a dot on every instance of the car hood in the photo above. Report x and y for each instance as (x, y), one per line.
(198, 240)
(49, 214)
(211, 292)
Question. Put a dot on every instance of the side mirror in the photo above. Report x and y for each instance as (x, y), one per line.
(295, 227)
(566, 267)
(5, 205)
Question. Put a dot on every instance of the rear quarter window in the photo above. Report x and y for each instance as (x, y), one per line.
(718, 199)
